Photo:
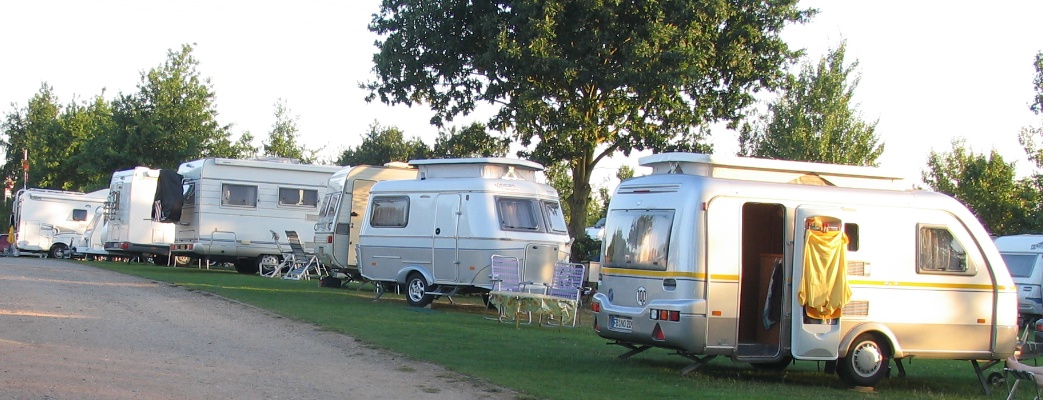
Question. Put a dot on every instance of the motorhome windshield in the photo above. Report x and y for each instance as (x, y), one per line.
(638, 239)
(1020, 265)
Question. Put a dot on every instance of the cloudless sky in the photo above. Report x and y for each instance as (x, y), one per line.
(931, 71)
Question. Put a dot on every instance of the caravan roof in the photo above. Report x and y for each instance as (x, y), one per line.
(485, 167)
(765, 170)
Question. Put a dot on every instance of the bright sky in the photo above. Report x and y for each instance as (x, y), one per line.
(931, 70)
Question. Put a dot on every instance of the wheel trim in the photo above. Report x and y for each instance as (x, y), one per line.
(867, 359)
(416, 290)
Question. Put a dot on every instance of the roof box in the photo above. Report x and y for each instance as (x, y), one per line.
(484, 168)
(767, 170)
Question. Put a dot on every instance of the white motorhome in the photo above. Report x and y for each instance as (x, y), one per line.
(130, 229)
(340, 218)
(768, 261)
(225, 210)
(437, 234)
(1023, 255)
(49, 222)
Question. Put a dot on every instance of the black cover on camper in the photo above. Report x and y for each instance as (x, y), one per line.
(169, 197)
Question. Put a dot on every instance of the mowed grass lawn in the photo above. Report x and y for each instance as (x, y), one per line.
(542, 362)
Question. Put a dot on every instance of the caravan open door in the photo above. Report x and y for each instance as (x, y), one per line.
(819, 283)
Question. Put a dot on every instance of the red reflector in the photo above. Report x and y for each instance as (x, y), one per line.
(657, 333)
(595, 307)
(329, 239)
(124, 245)
(675, 316)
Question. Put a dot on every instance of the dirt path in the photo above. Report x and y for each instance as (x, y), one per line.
(71, 331)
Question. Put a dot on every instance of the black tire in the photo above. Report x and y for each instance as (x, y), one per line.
(866, 363)
(246, 266)
(774, 365)
(160, 260)
(416, 291)
(59, 250)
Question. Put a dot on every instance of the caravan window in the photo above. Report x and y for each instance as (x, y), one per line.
(189, 193)
(940, 251)
(79, 214)
(1020, 265)
(390, 212)
(238, 195)
(517, 214)
(555, 217)
(638, 239)
(298, 197)
(330, 204)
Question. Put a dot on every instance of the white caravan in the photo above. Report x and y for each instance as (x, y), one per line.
(225, 210)
(49, 222)
(768, 261)
(130, 229)
(1023, 255)
(340, 218)
(437, 233)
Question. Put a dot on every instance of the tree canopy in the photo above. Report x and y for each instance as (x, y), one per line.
(580, 81)
(814, 118)
(283, 139)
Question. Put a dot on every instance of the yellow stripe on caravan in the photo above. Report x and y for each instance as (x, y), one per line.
(667, 274)
(735, 278)
(930, 285)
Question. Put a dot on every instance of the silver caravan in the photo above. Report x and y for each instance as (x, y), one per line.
(130, 229)
(340, 218)
(768, 261)
(1023, 255)
(49, 222)
(225, 210)
(437, 233)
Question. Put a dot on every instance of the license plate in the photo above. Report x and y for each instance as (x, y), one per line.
(621, 323)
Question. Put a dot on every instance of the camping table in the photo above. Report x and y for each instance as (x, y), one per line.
(539, 303)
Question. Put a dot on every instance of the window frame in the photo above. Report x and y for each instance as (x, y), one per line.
(303, 196)
(403, 212)
(251, 202)
(501, 202)
(968, 267)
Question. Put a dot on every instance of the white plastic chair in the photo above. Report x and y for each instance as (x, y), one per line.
(567, 288)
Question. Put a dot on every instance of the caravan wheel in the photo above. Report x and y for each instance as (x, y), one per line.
(59, 250)
(246, 266)
(866, 362)
(416, 291)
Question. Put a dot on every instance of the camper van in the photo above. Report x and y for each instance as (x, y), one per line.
(340, 218)
(768, 261)
(228, 210)
(436, 234)
(48, 222)
(130, 229)
(1022, 254)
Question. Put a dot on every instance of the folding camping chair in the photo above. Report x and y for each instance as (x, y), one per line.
(303, 264)
(567, 289)
(505, 274)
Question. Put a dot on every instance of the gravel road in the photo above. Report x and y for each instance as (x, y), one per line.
(71, 331)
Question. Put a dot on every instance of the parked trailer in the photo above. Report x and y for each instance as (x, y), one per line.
(130, 229)
(342, 208)
(1023, 255)
(437, 234)
(48, 222)
(225, 210)
(767, 262)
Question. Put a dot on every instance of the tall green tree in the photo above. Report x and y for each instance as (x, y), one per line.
(172, 114)
(473, 140)
(1037, 101)
(815, 119)
(283, 138)
(48, 133)
(577, 80)
(384, 144)
(987, 185)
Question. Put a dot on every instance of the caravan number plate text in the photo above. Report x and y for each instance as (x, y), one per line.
(621, 323)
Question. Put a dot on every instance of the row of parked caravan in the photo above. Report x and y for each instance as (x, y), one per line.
(431, 224)
(762, 261)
